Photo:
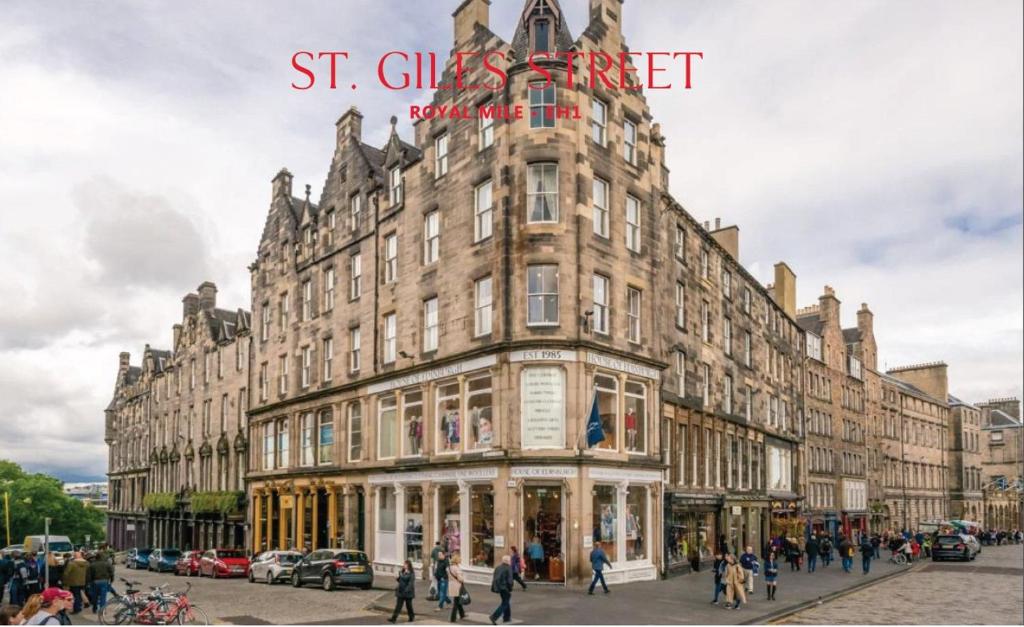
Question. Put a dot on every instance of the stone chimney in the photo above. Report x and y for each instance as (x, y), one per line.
(282, 184)
(350, 124)
(784, 288)
(207, 296)
(1009, 405)
(930, 378)
(728, 238)
(123, 361)
(828, 306)
(467, 16)
(190, 305)
(609, 13)
(866, 326)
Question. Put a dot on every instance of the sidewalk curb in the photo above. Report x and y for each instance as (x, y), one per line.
(796, 609)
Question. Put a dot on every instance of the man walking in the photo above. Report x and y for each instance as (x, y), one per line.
(434, 553)
(99, 575)
(846, 553)
(826, 551)
(74, 579)
(747, 562)
(501, 584)
(867, 552)
(441, 574)
(598, 559)
(813, 548)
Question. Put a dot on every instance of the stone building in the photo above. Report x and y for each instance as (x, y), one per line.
(176, 431)
(965, 462)
(433, 333)
(916, 449)
(836, 422)
(1003, 463)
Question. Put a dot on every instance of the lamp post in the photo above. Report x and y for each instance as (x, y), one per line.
(7, 516)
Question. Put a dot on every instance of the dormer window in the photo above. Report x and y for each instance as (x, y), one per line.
(395, 179)
(541, 31)
(541, 18)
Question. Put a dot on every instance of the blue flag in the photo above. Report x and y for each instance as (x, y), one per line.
(595, 433)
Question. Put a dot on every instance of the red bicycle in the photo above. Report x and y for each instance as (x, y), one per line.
(157, 608)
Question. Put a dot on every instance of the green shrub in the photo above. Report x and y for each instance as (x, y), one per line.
(160, 501)
(216, 502)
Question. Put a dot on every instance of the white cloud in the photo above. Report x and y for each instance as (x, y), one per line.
(874, 146)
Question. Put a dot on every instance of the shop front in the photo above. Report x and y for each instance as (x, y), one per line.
(744, 523)
(691, 532)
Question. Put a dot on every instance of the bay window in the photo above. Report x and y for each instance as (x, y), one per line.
(542, 295)
(542, 193)
(607, 391)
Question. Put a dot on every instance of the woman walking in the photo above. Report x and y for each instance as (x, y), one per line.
(734, 584)
(455, 584)
(405, 592)
(771, 573)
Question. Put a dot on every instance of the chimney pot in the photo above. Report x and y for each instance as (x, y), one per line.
(718, 223)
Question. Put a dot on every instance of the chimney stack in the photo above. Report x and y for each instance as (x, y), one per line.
(1009, 405)
(123, 361)
(467, 16)
(784, 288)
(350, 124)
(718, 223)
(608, 13)
(728, 238)
(866, 326)
(190, 305)
(281, 184)
(931, 378)
(207, 296)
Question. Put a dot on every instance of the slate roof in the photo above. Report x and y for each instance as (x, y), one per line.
(224, 323)
(811, 322)
(161, 359)
(133, 374)
(851, 336)
(999, 419)
(521, 39)
(954, 402)
(906, 387)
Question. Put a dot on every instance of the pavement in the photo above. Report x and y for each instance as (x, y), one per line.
(989, 590)
(829, 596)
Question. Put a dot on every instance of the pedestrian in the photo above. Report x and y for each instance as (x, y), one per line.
(456, 583)
(74, 578)
(915, 550)
(771, 573)
(876, 543)
(536, 552)
(723, 546)
(405, 592)
(32, 583)
(867, 553)
(52, 610)
(734, 584)
(441, 574)
(826, 551)
(518, 567)
(598, 559)
(718, 570)
(6, 573)
(846, 553)
(812, 550)
(53, 571)
(19, 579)
(748, 562)
(99, 575)
(10, 614)
(794, 554)
(501, 584)
(437, 550)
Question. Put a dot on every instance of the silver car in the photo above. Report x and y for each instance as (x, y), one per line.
(273, 566)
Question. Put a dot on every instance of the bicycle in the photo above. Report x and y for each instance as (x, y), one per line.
(120, 607)
(155, 608)
(898, 559)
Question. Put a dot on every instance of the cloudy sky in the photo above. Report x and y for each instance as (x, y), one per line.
(874, 146)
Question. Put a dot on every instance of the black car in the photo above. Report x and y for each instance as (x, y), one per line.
(954, 546)
(332, 568)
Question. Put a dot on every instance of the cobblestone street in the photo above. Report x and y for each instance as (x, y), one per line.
(989, 590)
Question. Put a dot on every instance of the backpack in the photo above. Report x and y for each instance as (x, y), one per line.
(32, 567)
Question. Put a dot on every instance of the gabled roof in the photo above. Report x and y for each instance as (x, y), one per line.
(999, 419)
(161, 359)
(956, 402)
(224, 324)
(521, 39)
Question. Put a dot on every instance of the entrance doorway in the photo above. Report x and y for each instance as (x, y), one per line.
(543, 533)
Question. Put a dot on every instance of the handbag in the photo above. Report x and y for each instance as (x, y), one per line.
(464, 598)
(432, 592)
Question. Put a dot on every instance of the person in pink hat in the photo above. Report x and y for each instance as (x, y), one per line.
(54, 610)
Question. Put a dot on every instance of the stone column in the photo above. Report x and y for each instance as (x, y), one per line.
(332, 515)
(257, 513)
(300, 518)
(399, 522)
(315, 495)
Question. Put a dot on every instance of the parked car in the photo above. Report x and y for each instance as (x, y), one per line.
(8, 550)
(137, 558)
(332, 568)
(955, 546)
(60, 546)
(273, 566)
(188, 563)
(224, 563)
(163, 560)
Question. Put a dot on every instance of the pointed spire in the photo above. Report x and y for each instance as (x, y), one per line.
(308, 187)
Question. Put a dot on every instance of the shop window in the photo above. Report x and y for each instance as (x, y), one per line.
(479, 404)
(412, 423)
(606, 519)
(448, 417)
(448, 511)
(691, 537)
(607, 389)
(414, 524)
(636, 416)
(482, 524)
(636, 523)
(387, 427)
(543, 528)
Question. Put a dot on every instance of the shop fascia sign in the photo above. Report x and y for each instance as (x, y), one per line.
(594, 359)
(623, 474)
(544, 472)
(463, 474)
(433, 374)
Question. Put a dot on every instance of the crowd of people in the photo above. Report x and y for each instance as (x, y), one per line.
(42, 591)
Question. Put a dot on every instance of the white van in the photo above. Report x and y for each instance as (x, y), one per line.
(60, 546)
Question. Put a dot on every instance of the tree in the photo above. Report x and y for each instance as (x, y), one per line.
(35, 496)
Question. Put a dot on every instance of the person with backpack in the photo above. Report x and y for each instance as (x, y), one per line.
(718, 570)
(867, 553)
(598, 560)
(74, 578)
(812, 549)
(32, 583)
(518, 567)
(19, 575)
(771, 573)
(53, 611)
(441, 574)
(826, 551)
